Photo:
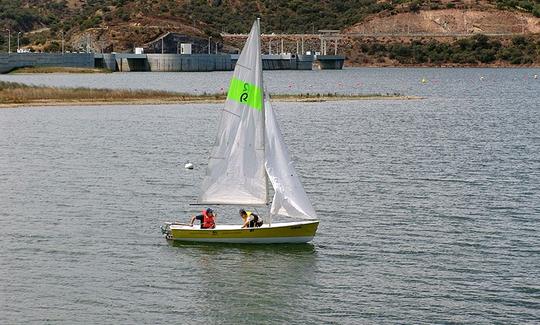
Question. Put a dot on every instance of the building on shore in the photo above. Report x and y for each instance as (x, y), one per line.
(171, 43)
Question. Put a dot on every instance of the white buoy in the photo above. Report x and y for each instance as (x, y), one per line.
(424, 80)
(188, 166)
(482, 78)
(535, 76)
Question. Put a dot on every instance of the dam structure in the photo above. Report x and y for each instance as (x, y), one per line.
(10, 61)
(176, 52)
(167, 62)
(125, 62)
(283, 61)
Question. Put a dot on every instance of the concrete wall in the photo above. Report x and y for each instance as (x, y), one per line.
(105, 61)
(278, 62)
(163, 62)
(283, 61)
(330, 62)
(132, 64)
(304, 62)
(11, 61)
(193, 62)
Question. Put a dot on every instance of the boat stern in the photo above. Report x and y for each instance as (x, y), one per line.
(166, 230)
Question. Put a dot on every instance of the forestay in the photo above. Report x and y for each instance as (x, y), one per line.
(235, 173)
(290, 199)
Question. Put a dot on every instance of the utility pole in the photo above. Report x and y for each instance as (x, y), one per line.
(18, 44)
(9, 41)
(465, 23)
(209, 44)
(303, 45)
(162, 45)
(62, 42)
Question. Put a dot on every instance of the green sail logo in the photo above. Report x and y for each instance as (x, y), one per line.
(246, 93)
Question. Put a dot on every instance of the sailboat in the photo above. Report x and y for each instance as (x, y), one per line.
(248, 156)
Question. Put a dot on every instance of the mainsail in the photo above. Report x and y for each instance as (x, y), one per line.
(249, 146)
(235, 173)
(290, 199)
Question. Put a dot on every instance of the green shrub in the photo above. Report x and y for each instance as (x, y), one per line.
(536, 11)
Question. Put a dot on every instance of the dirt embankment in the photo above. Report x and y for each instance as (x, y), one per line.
(449, 21)
(124, 36)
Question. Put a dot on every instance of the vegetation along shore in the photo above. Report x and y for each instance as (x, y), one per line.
(17, 94)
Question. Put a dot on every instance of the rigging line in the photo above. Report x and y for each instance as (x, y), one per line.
(226, 110)
(243, 66)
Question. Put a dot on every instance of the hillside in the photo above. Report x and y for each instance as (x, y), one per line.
(450, 21)
(119, 25)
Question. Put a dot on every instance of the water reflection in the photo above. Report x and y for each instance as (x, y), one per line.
(253, 283)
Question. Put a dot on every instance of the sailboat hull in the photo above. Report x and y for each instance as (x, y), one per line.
(290, 232)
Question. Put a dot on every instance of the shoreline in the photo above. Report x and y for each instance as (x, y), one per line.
(16, 95)
(194, 100)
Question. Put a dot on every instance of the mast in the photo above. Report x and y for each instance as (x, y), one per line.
(264, 119)
(267, 181)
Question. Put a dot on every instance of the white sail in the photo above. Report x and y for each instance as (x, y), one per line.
(290, 199)
(235, 173)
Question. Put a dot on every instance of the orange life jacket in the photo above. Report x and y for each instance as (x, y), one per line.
(208, 222)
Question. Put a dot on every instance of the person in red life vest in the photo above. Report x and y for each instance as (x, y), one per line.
(207, 219)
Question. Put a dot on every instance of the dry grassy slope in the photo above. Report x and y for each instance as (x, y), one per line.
(449, 21)
(124, 36)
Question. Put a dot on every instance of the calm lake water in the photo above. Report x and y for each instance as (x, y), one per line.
(430, 209)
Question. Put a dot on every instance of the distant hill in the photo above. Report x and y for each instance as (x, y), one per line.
(120, 25)
(450, 21)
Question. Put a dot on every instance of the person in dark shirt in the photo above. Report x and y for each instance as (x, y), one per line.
(250, 219)
(207, 219)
